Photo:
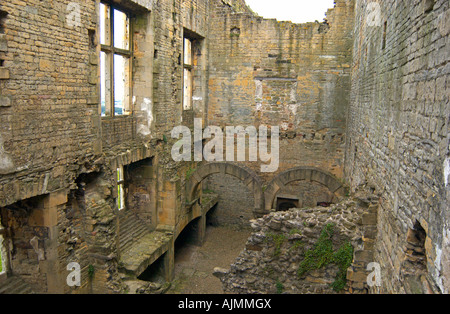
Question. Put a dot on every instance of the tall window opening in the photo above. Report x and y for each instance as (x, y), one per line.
(120, 189)
(3, 253)
(115, 61)
(188, 74)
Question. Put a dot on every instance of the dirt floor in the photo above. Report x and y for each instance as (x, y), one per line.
(194, 265)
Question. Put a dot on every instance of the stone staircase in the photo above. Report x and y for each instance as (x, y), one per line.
(139, 246)
(131, 230)
(15, 285)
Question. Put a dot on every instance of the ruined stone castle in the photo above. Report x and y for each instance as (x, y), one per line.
(91, 91)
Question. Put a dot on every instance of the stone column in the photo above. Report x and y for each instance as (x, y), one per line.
(201, 227)
(169, 262)
(46, 216)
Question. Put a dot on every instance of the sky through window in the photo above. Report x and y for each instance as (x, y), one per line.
(297, 11)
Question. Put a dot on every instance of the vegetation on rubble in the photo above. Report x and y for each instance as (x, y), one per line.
(322, 255)
(280, 287)
(278, 240)
(91, 271)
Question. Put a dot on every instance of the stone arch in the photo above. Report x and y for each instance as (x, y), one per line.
(301, 174)
(246, 175)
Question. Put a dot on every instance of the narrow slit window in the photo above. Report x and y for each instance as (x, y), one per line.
(115, 62)
(187, 75)
(3, 16)
(120, 189)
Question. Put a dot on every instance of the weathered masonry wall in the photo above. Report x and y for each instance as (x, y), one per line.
(296, 76)
(59, 157)
(398, 137)
(361, 98)
(46, 119)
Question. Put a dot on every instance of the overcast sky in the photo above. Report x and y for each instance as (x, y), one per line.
(297, 11)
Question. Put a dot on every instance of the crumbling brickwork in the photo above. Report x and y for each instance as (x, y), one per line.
(275, 254)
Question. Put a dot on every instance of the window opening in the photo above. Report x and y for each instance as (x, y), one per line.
(115, 62)
(120, 189)
(187, 75)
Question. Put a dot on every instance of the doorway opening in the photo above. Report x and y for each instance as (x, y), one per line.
(285, 204)
(155, 272)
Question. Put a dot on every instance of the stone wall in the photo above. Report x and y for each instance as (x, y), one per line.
(47, 120)
(295, 76)
(236, 201)
(53, 138)
(388, 112)
(398, 134)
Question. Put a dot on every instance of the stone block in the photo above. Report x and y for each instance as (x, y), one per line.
(4, 74)
(46, 217)
(3, 45)
(364, 256)
(55, 199)
(370, 232)
(369, 219)
(5, 101)
(93, 59)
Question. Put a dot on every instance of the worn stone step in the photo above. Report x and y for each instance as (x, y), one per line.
(131, 230)
(132, 227)
(15, 285)
(136, 232)
(135, 235)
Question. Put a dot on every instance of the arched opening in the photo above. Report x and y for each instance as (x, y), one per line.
(246, 176)
(196, 260)
(155, 272)
(302, 194)
(284, 204)
(311, 187)
(414, 271)
(415, 248)
(22, 239)
(236, 201)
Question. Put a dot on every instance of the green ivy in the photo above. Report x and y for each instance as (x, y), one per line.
(278, 239)
(343, 258)
(280, 287)
(323, 255)
(91, 271)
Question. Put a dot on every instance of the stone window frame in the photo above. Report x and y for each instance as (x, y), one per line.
(110, 51)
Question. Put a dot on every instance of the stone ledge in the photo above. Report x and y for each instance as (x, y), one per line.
(145, 252)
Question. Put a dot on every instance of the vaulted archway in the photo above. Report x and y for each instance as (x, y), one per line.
(301, 174)
(246, 175)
